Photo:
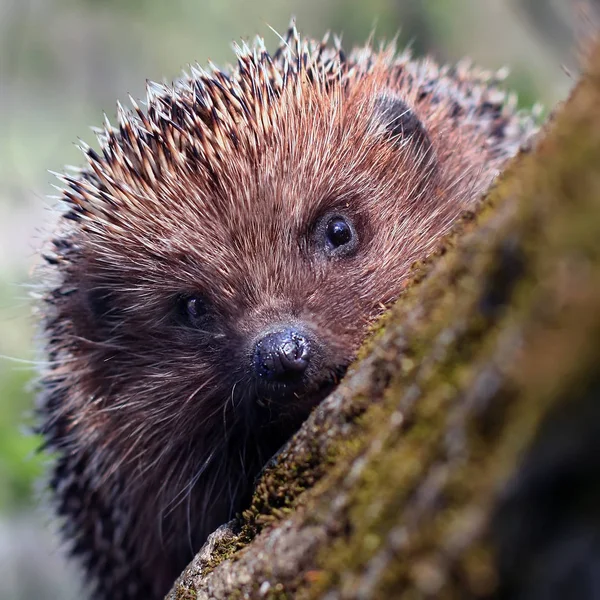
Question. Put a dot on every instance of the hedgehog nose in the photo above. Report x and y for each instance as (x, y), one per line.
(281, 356)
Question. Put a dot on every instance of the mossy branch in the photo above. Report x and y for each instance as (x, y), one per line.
(461, 456)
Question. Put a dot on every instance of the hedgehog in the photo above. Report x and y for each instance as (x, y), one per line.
(218, 262)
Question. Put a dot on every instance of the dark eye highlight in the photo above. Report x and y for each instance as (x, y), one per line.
(339, 232)
(335, 236)
(192, 309)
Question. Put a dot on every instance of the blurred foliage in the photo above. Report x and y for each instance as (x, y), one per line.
(19, 462)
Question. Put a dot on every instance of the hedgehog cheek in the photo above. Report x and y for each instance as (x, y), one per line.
(99, 303)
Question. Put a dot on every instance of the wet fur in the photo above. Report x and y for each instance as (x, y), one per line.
(216, 189)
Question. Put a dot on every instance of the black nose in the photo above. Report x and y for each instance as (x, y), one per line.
(281, 356)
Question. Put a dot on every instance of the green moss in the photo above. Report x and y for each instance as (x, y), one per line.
(184, 593)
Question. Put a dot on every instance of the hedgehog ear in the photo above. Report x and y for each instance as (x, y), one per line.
(401, 125)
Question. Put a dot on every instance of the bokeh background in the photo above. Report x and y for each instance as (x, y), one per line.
(64, 62)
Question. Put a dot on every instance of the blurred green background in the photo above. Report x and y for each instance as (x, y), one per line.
(64, 62)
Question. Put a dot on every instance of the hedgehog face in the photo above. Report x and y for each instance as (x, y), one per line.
(262, 275)
(230, 247)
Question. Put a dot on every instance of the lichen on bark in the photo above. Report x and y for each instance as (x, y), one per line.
(460, 457)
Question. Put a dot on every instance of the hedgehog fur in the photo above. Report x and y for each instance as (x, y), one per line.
(202, 226)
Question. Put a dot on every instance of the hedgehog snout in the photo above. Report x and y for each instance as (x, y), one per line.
(282, 356)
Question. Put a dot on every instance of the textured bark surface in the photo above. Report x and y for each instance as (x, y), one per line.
(460, 458)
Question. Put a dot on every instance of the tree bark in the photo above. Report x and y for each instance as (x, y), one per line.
(460, 457)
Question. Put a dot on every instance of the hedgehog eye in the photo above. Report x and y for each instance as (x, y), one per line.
(338, 232)
(335, 236)
(193, 309)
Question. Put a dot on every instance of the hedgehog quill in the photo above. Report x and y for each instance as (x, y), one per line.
(216, 266)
